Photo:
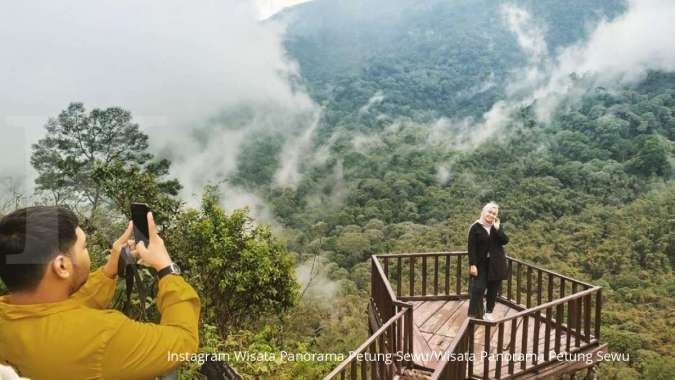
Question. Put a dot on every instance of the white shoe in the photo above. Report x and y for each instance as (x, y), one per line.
(488, 317)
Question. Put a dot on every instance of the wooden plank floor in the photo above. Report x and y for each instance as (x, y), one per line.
(436, 324)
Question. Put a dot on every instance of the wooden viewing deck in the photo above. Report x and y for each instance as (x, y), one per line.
(418, 325)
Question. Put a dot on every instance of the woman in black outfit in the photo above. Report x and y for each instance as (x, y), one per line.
(487, 261)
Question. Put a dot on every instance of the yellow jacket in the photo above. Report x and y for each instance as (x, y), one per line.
(79, 339)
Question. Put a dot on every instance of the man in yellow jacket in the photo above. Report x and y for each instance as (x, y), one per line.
(54, 323)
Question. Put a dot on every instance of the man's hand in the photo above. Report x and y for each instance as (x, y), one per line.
(110, 268)
(155, 255)
(473, 271)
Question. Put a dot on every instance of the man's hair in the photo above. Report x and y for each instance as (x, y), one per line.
(29, 239)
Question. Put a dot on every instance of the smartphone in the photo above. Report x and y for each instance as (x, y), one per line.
(139, 216)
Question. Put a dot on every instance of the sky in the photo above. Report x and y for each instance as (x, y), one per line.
(267, 8)
(173, 64)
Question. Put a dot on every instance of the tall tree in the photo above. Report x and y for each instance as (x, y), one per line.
(77, 143)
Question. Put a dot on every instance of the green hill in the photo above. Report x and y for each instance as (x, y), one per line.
(427, 58)
(589, 193)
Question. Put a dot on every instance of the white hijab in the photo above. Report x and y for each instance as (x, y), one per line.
(482, 220)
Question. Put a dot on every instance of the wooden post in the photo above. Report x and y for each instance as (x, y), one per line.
(529, 287)
(512, 345)
(412, 276)
(558, 325)
(598, 309)
(486, 362)
(518, 284)
(550, 288)
(458, 287)
(510, 278)
(447, 275)
(535, 338)
(547, 338)
(409, 334)
(571, 318)
(380, 363)
(539, 286)
(399, 268)
(436, 275)
(523, 342)
(471, 338)
(577, 324)
(424, 275)
(500, 348)
(587, 318)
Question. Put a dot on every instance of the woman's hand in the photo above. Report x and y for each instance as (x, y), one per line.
(473, 271)
(496, 223)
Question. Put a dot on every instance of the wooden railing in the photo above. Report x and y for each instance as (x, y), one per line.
(552, 302)
(375, 358)
(456, 369)
(426, 276)
(577, 335)
(567, 311)
(390, 328)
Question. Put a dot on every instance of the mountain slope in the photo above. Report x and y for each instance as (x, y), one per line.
(424, 59)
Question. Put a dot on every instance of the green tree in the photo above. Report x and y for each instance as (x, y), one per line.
(123, 184)
(240, 270)
(76, 142)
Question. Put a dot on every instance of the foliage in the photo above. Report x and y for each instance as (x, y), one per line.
(588, 194)
(125, 183)
(421, 60)
(76, 143)
(240, 270)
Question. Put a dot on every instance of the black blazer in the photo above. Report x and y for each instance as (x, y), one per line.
(480, 243)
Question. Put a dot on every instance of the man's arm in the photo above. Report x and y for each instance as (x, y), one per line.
(99, 289)
(144, 350)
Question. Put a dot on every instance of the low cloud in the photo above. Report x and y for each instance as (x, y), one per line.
(376, 99)
(616, 53)
(268, 8)
(314, 281)
(295, 149)
(175, 65)
(443, 173)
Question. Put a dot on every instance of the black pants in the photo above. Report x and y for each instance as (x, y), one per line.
(477, 287)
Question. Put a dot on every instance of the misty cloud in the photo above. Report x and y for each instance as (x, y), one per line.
(314, 281)
(377, 98)
(175, 65)
(268, 8)
(616, 53)
(443, 173)
(294, 150)
(531, 40)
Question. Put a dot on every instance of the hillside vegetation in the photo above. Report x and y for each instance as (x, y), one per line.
(588, 193)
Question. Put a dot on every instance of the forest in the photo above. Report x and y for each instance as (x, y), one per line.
(589, 193)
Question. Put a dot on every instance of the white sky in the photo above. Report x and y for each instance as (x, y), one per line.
(172, 63)
(267, 8)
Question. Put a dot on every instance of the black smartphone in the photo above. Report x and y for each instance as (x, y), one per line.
(139, 216)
